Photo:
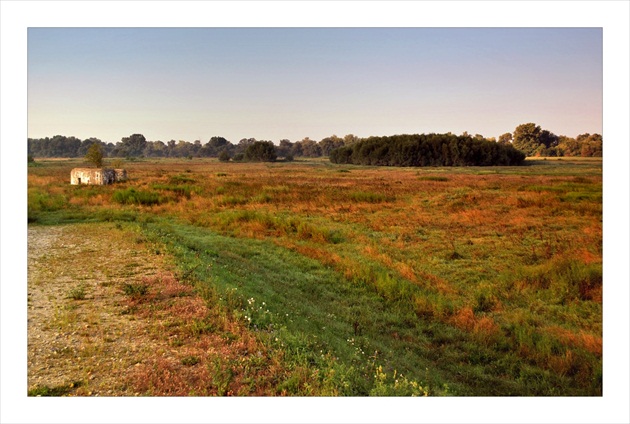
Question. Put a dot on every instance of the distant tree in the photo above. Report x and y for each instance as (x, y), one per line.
(285, 148)
(261, 151)
(214, 146)
(196, 148)
(85, 145)
(94, 155)
(505, 138)
(224, 156)
(183, 149)
(349, 139)
(526, 138)
(296, 149)
(532, 140)
(133, 145)
(591, 145)
(155, 149)
(329, 143)
(310, 148)
(243, 144)
(170, 147)
(548, 139)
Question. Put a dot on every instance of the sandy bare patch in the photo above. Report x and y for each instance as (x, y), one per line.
(80, 335)
(108, 317)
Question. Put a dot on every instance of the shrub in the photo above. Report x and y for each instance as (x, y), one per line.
(180, 190)
(135, 289)
(369, 197)
(190, 361)
(132, 196)
(181, 179)
(224, 156)
(77, 293)
(433, 178)
(261, 151)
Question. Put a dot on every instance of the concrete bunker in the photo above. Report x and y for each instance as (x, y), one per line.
(97, 176)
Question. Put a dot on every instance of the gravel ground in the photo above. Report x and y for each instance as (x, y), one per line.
(82, 340)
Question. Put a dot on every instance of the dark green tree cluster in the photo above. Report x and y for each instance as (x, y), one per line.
(532, 140)
(260, 151)
(427, 150)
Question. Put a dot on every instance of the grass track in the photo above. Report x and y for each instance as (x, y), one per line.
(324, 321)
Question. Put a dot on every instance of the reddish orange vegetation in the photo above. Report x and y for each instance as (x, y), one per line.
(438, 283)
(464, 319)
(483, 327)
(579, 339)
(195, 360)
(588, 257)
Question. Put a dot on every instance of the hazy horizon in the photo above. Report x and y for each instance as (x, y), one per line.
(291, 83)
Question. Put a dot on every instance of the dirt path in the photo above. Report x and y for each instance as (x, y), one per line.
(80, 340)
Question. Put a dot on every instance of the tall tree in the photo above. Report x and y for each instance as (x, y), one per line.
(349, 139)
(505, 138)
(94, 155)
(526, 138)
(261, 151)
(329, 143)
(133, 145)
(285, 148)
(310, 148)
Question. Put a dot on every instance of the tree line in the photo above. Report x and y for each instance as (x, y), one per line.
(528, 138)
(137, 145)
(532, 140)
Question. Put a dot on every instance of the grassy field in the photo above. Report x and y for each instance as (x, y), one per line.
(377, 281)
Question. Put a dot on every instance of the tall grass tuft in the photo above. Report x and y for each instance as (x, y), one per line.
(131, 196)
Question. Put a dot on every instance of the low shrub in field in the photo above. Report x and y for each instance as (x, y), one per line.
(181, 179)
(433, 178)
(135, 290)
(39, 200)
(179, 189)
(369, 197)
(131, 196)
(190, 360)
(78, 293)
(307, 231)
(232, 201)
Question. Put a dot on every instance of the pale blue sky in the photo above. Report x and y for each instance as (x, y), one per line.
(275, 83)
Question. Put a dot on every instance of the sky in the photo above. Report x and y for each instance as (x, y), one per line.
(291, 83)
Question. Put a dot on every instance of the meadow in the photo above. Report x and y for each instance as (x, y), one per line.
(364, 280)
